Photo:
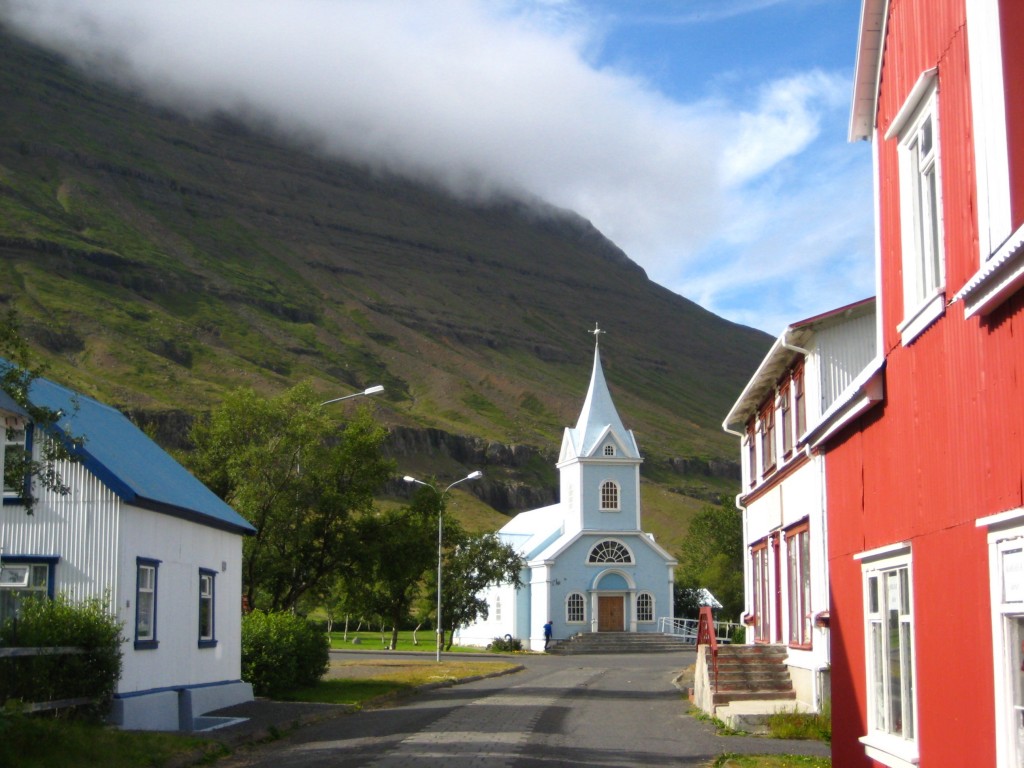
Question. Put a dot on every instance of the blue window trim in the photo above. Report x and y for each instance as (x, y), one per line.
(50, 561)
(212, 641)
(26, 489)
(143, 645)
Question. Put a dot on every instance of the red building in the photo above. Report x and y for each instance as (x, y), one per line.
(925, 503)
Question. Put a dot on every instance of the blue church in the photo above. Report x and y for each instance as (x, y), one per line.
(588, 565)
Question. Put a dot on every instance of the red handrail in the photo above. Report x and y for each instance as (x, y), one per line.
(706, 634)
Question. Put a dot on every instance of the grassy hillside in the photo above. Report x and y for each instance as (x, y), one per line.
(158, 261)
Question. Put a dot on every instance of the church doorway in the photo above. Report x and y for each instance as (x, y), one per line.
(610, 614)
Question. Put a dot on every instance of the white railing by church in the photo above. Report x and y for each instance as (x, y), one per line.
(687, 629)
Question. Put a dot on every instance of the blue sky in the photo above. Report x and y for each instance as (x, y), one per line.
(707, 138)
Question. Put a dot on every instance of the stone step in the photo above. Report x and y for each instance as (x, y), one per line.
(618, 642)
(725, 697)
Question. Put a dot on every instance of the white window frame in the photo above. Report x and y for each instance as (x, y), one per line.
(150, 591)
(572, 615)
(884, 566)
(600, 552)
(1006, 585)
(921, 220)
(18, 435)
(609, 450)
(605, 500)
(22, 578)
(645, 614)
(208, 602)
(799, 585)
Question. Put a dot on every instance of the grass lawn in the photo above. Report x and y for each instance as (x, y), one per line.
(32, 742)
(771, 761)
(358, 682)
(371, 641)
(45, 743)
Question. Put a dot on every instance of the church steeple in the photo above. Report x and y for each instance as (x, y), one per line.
(598, 419)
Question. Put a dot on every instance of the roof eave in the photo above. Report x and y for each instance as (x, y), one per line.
(867, 70)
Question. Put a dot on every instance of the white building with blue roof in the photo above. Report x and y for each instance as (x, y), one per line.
(138, 529)
(589, 566)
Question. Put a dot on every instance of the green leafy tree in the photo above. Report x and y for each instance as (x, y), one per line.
(284, 465)
(23, 468)
(471, 564)
(711, 556)
(395, 549)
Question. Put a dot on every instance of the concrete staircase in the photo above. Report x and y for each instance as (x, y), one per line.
(752, 673)
(619, 642)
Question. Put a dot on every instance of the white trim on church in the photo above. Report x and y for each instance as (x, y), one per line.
(589, 566)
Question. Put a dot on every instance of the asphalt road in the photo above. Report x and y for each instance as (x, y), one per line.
(606, 710)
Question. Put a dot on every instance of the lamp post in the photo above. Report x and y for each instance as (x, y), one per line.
(368, 391)
(440, 528)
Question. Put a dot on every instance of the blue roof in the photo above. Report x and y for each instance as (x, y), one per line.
(139, 471)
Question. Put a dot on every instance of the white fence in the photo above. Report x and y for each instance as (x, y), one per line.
(687, 629)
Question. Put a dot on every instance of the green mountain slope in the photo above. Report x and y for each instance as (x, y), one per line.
(157, 261)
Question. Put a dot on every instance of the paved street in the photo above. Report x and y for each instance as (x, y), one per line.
(616, 710)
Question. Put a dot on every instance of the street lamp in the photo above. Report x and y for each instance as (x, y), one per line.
(440, 521)
(368, 391)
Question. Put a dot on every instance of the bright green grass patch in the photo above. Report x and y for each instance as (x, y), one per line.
(374, 641)
(44, 743)
(771, 761)
(802, 725)
(355, 682)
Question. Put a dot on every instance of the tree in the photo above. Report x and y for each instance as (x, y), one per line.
(471, 564)
(711, 556)
(25, 468)
(282, 463)
(395, 549)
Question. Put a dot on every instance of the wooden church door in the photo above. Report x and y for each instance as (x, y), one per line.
(610, 615)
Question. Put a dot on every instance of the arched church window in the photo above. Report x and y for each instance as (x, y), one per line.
(645, 607)
(610, 552)
(609, 495)
(497, 607)
(609, 450)
(574, 607)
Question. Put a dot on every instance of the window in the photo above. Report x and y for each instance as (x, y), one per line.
(609, 496)
(798, 566)
(768, 437)
(889, 634)
(207, 638)
(751, 452)
(762, 602)
(574, 608)
(22, 578)
(786, 417)
(920, 208)
(145, 602)
(799, 402)
(497, 607)
(16, 448)
(610, 552)
(645, 607)
(609, 450)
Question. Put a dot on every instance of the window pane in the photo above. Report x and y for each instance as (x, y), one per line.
(894, 656)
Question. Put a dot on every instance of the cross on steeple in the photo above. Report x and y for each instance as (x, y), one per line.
(597, 334)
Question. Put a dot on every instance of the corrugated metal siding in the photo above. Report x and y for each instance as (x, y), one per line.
(841, 352)
(1011, 22)
(82, 528)
(945, 447)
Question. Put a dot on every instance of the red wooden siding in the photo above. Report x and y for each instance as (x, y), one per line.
(946, 447)
(1011, 22)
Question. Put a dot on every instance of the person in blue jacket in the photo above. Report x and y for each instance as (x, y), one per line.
(547, 634)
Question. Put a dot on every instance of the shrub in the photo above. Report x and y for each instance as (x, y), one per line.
(505, 644)
(739, 636)
(281, 651)
(802, 725)
(47, 623)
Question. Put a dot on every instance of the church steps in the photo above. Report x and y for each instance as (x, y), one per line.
(619, 642)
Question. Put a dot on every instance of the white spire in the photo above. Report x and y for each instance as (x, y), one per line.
(599, 416)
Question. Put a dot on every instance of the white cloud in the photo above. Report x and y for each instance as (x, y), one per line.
(485, 96)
